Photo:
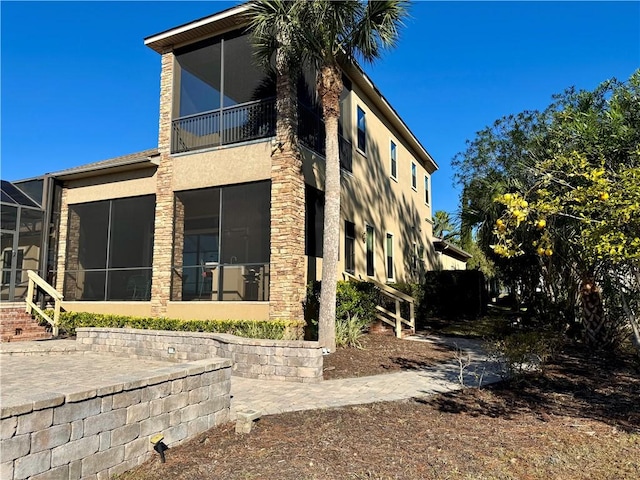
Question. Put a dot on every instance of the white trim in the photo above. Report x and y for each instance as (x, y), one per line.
(386, 257)
(364, 116)
(391, 175)
(373, 250)
(427, 193)
(414, 167)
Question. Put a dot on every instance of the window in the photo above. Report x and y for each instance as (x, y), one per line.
(314, 221)
(427, 190)
(414, 176)
(394, 160)
(7, 256)
(362, 131)
(389, 248)
(349, 247)
(110, 250)
(370, 254)
(221, 243)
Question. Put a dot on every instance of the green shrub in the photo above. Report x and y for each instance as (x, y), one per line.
(352, 299)
(524, 352)
(263, 329)
(349, 331)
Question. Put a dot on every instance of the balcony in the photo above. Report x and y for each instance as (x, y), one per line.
(250, 121)
(240, 123)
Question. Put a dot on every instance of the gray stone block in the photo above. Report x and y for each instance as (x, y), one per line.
(76, 411)
(193, 382)
(77, 429)
(197, 426)
(121, 468)
(175, 402)
(218, 418)
(105, 421)
(138, 412)
(199, 394)
(14, 447)
(6, 471)
(126, 399)
(177, 386)
(154, 425)
(34, 421)
(26, 467)
(75, 450)
(155, 407)
(102, 461)
(107, 404)
(136, 448)
(8, 427)
(58, 473)
(105, 441)
(190, 412)
(125, 434)
(50, 437)
(175, 434)
(156, 391)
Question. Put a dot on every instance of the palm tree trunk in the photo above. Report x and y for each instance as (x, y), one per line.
(593, 317)
(329, 89)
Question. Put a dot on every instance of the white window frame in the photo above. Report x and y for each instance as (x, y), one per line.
(364, 117)
(414, 176)
(386, 257)
(373, 250)
(393, 159)
(427, 188)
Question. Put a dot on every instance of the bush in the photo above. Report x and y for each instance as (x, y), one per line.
(264, 329)
(353, 299)
(524, 352)
(454, 294)
(349, 331)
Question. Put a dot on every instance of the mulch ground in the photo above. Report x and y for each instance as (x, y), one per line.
(580, 420)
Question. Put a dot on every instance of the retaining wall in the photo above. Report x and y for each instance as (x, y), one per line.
(99, 433)
(289, 360)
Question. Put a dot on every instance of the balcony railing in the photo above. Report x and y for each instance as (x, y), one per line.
(240, 123)
(250, 121)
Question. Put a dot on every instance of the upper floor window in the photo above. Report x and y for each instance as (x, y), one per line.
(394, 160)
(427, 190)
(362, 131)
(414, 176)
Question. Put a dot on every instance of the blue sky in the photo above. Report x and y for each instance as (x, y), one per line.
(78, 84)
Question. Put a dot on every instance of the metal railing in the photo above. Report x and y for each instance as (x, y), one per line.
(240, 123)
(395, 298)
(311, 133)
(37, 280)
(251, 121)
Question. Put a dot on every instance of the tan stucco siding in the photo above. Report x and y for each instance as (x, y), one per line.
(116, 185)
(223, 166)
(449, 263)
(371, 196)
(218, 310)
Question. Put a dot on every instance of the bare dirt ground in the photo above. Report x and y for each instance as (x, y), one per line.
(580, 420)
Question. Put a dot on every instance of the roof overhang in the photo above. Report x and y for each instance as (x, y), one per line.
(128, 165)
(198, 29)
(451, 250)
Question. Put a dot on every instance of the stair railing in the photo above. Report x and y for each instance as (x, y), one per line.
(35, 279)
(395, 318)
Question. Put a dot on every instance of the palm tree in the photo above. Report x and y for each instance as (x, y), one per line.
(323, 34)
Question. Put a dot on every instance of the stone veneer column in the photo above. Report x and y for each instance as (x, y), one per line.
(62, 241)
(287, 263)
(163, 231)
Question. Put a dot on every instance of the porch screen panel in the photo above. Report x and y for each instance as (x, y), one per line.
(200, 77)
(131, 248)
(246, 223)
(109, 249)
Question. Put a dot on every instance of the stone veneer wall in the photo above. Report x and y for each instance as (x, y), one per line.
(295, 361)
(100, 433)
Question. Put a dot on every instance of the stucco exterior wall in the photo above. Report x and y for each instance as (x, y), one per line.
(110, 186)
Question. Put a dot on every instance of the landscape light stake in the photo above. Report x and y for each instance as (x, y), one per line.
(159, 446)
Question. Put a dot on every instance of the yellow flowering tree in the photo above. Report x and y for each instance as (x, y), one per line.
(583, 196)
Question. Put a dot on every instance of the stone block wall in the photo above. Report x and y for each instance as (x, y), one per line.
(288, 360)
(100, 433)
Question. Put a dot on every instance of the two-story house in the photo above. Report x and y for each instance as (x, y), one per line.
(208, 225)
